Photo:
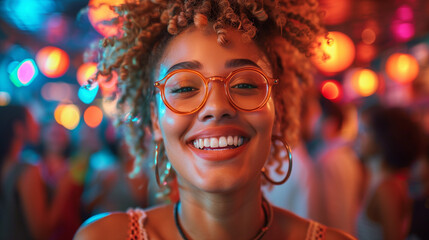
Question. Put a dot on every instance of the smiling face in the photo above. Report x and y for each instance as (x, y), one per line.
(218, 148)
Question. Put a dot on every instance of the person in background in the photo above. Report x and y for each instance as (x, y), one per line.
(338, 173)
(299, 191)
(389, 143)
(25, 210)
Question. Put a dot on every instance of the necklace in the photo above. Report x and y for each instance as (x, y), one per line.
(268, 215)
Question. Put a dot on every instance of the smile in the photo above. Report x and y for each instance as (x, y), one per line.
(214, 143)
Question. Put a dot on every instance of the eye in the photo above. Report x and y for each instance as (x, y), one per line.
(243, 85)
(183, 90)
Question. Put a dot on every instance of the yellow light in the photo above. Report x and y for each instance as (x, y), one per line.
(52, 61)
(85, 72)
(70, 116)
(340, 51)
(58, 112)
(365, 82)
(100, 13)
(402, 68)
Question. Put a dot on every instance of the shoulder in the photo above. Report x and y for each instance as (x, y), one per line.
(104, 226)
(295, 227)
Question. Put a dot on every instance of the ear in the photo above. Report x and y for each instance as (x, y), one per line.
(157, 133)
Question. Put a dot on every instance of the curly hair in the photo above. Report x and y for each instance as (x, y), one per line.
(285, 31)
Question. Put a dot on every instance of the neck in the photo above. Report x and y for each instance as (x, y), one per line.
(237, 215)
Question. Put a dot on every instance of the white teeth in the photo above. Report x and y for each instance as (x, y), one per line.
(230, 140)
(222, 142)
(206, 142)
(214, 142)
(218, 142)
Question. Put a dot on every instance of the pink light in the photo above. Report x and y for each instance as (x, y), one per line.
(403, 31)
(405, 13)
(26, 72)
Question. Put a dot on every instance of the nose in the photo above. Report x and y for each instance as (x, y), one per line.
(217, 106)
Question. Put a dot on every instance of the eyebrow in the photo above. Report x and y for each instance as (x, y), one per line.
(185, 65)
(195, 65)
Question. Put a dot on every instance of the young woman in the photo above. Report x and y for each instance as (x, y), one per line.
(218, 83)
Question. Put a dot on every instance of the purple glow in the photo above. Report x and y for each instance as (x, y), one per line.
(27, 72)
(405, 13)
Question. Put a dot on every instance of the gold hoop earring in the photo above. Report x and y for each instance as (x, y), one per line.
(289, 156)
(159, 150)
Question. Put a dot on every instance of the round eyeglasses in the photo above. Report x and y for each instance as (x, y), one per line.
(185, 91)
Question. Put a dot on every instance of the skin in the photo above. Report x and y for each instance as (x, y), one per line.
(220, 199)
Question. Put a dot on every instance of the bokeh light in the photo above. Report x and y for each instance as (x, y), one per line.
(331, 90)
(52, 61)
(364, 82)
(368, 36)
(85, 72)
(4, 98)
(100, 15)
(67, 115)
(57, 91)
(87, 93)
(402, 68)
(339, 50)
(93, 116)
(108, 86)
(337, 11)
(24, 73)
(27, 15)
(365, 53)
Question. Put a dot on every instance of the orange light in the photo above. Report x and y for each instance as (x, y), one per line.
(364, 82)
(93, 116)
(331, 90)
(58, 112)
(402, 68)
(100, 13)
(337, 11)
(340, 51)
(85, 72)
(52, 61)
(365, 53)
(70, 116)
(368, 36)
(108, 87)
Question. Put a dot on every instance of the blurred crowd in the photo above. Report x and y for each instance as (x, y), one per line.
(363, 170)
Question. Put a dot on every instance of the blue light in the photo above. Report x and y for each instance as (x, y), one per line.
(29, 15)
(87, 93)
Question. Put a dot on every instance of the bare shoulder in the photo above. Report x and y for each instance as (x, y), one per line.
(332, 233)
(293, 226)
(104, 226)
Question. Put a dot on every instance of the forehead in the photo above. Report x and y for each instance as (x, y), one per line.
(201, 45)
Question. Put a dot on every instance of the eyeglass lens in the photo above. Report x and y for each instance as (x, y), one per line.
(185, 91)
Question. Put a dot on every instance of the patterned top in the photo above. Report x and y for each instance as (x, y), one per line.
(316, 231)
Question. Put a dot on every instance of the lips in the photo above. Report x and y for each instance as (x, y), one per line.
(218, 144)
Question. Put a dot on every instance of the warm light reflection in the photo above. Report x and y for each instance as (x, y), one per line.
(336, 11)
(93, 116)
(364, 82)
(100, 15)
(67, 115)
(368, 36)
(85, 72)
(402, 68)
(53, 62)
(334, 55)
(365, 53)
(4, 98)
(331, 90)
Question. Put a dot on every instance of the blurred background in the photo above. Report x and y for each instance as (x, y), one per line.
(379, 55)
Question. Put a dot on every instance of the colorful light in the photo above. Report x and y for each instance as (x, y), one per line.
(100, 13)
(365, 53)
(67, 115)
(331, 90)
(24, 73)
(93, 116)
(87, 93)
(340, 52)
(57, 91)
(85, 72)
(402, 68)
(4, 98)
(364, 82)
(52, 61)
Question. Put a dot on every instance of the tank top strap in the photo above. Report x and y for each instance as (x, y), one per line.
(136, 226)
(315, 231)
